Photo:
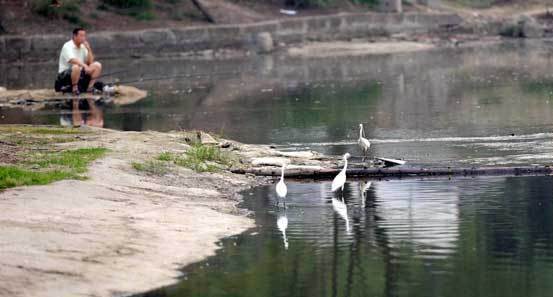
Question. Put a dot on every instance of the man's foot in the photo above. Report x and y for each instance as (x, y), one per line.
(75, 90)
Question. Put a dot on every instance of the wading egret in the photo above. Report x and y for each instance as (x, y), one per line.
(340, 179)
(363, 142)
(282, 224)
(341, 208)
(281, 188)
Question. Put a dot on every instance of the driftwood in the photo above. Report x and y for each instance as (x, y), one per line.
(325, 173)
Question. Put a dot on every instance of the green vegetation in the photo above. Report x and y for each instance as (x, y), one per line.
(47, 167)
(200, 158)
(40, 130)
(203, 158)
(139, 9)
(11, 176)
(73, 161)
(28, 155)
(68, 11)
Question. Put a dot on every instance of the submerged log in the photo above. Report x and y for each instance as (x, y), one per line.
(324, 173)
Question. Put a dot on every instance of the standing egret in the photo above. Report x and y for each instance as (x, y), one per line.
(340, 179)
(363, 142)
(282, 224)
(281, 188)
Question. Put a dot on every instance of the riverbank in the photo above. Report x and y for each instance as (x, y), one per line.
(125, 229)
(149, 204)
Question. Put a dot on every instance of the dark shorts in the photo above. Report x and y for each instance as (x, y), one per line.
(63, 81)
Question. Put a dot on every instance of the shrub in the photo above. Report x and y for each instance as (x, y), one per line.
(68, 11)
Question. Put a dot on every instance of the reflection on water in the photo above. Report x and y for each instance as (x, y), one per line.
(76, 113)
(463, 237)
(457, 95)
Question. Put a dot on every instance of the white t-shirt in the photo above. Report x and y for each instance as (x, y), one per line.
(71, 51)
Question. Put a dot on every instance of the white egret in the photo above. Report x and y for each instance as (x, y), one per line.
(282, 224)
(341, 208)
(363, 142)
(340, 179)
(281, 188)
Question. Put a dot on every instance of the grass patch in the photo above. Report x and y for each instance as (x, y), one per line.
(200, 158)
(39, 130)
(204, 158)
(44, 168)
(74, 161)
(152, 167)
(166, 156)
(11, 176)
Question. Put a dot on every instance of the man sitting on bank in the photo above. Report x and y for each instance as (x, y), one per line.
(77, 70)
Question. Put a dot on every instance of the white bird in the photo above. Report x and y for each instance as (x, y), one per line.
(281, 188)
(341, 208)
(282, 224)
(363, 142)
(340, 179)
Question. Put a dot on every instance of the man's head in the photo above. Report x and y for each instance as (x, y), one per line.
(79, 36)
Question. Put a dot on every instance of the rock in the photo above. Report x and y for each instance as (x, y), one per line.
(264, 42)
(2, 89)
(225, 144)
(207, 139)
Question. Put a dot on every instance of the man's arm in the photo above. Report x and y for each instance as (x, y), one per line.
(90, 56)
(78, 62)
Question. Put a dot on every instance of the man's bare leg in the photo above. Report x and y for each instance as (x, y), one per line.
(75, 75)
(95, 72)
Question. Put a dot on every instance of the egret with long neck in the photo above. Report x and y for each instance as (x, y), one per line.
(363, 142)
(340, 179)
(281, 188)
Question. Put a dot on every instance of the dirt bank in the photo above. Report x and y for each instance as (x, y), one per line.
(128, 227)
(121, 231)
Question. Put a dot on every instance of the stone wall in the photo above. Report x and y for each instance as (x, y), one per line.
(242, 36)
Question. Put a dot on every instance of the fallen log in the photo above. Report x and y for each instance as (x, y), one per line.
(314, 172)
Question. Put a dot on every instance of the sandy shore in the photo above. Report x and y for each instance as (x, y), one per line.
(119, 232)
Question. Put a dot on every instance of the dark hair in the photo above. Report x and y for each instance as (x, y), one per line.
(76, 31)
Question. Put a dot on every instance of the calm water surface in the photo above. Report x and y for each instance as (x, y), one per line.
(463, 237)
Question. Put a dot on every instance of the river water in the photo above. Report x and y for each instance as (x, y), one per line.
(477, 106)
(463, 237)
